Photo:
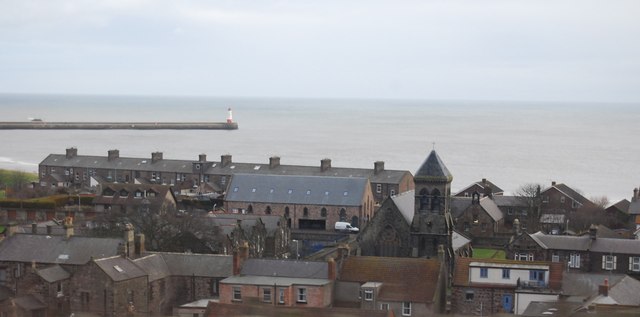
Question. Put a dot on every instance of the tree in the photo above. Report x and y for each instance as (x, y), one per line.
(530, 195)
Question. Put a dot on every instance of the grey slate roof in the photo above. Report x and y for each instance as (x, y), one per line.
(119, 268)
(491, 208)
(458, 240)
(202, 265)
(634, 207)
(53, 274)
(154, 265)
(309, 190)
(569, 192)
(625, 246)
(556, 242)
(406, 204)
(624, 292)
(286, 268)
(186, 166)
(56, 249)
(29, 302)
(459, 205)
(586, 284)
(509, 201)
(271, 223)
(495, 190)
(433, 169)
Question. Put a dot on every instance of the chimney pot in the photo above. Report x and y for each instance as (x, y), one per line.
(156, 156)
(378, 167)
(225, 160)
(72, 152)
(553, 183)
(113, 154)
(274, 162)
(604, 288)
(325, 164)
(202, 158)
(635, 194)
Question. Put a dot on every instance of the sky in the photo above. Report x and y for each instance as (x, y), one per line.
(537, 50)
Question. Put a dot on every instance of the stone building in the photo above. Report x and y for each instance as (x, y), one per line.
(306, 202)
(83, 171)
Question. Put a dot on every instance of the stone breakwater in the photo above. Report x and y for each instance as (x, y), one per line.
(42, 125)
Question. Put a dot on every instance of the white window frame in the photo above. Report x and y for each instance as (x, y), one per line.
(378, 188)
(301, 296)
(609, 262)
(406, 308)
(266, 295)
(574, 260)
(634, 263)
(384, 306)
(281, 296)
(237, 293)
(368, 295)
(555, 258)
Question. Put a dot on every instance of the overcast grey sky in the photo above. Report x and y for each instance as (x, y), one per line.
(581, 50)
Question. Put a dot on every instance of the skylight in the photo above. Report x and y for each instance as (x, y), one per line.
(119, 269)
(257, 167)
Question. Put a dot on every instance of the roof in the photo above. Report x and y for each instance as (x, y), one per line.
(248, 310)
(130, 199)
(53, 274)
(309, 190)
(271, 222)
(201, 265)
(119, 268)
(571, 193)
(458, 240)
(484, 182)
(186, 166)
(491, 208)
(406, 204)
(624, 292)
(397, 275)
(154, 265)
(286, 268)
(29, 303)
(558, 242)
(622, 205)
(614, 245)
(274, 280)
(56, 249)
(634, 207)
(510, 201)
(459, 205)
(433, 169)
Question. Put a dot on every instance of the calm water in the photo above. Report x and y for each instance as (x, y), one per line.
(590, 147)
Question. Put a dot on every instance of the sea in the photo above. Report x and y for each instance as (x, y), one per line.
(592, 147)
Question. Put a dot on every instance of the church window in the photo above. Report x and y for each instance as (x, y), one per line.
(435, 200)
(250, 209)
(268, 210)
(343, 215)
(424, 199)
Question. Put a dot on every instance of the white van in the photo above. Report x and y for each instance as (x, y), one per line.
(345, 227)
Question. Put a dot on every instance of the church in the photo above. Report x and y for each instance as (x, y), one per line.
(416, 223)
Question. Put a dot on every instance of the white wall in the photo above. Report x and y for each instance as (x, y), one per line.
(523, 300)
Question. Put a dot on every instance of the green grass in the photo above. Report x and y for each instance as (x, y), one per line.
(480, 253)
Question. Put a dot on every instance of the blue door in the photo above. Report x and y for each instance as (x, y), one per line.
(507, 302)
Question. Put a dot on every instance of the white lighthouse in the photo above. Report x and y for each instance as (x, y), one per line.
(230, 117)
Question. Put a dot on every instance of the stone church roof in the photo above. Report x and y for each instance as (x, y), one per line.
(433, 169)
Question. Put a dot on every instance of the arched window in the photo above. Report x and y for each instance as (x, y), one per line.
(424, 199)
(343, 215)
(435, 199)
(268, 210)
(250, 209)
(305, 212)
(323, 212)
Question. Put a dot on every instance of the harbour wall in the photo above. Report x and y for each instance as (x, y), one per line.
(41, 125)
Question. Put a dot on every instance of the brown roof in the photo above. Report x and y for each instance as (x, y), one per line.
(248, 310)
(403, 279)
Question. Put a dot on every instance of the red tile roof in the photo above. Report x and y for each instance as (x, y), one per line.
(403, 279)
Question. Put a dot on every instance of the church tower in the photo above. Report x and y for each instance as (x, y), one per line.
(432, 222)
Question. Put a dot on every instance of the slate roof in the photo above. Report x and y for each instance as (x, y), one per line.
(248, 310)
(154, 265)
(624, 292)
(568, 191)
(634, 207)
(397, 275)
(406, 204)
(274, 280)
(433, 169)
(309, 190)
(130, 199)
(53, 274)
(495, 190)
(286, 268)
(202, 265)
(229, 221)
(458, 240)
(119, 268)
(557, 242)
(491, 208)
(45, 249)
(622, 206)
(459, 205)
(186, 166)
(613, 245)
(509, 201)
(29, 303)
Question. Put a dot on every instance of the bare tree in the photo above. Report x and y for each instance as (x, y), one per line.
(530, 194)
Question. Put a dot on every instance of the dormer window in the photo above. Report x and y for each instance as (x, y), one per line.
(123, 193)
(151, 193)
(138, 194)
(108, 192)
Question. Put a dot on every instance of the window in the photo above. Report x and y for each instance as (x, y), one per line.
(130, 296)
(545, 199)
(575, 204)
(368, 294)
(214, 287)
(84, 299)
(237, 293)
(634, 263)
(406, 308)
(281, 296)
(384, 306)
(468, 296)
(484, 272)
(562, 199)
(574, 260)
(223, 180)
(378, 188)
(268, 210)
(467, 226)
(302, 295)
(392, 192)
(555, 258)
(266, 295)
(305, 212)
(484, 226)
(506, 274)
(323, 212)
(609, 262)
(536, 275)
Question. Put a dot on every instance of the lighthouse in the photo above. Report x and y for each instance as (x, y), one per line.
(230, 117)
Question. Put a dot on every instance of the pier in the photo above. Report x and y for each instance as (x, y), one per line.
(43, 125)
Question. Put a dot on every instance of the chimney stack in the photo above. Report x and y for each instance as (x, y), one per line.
(325, 164)
(378, 167)
(156, 156)
(225, 160)
(113, 154)
(239, 256)
(49, 229)
(635, 195)
(517, 229)
(593, 232)
(129, 240)
(274, 162)
(68, 227)
(332, 269)
(553, 183)
(202, 158)
(139, 244)
(72, 152)
(604, 288)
